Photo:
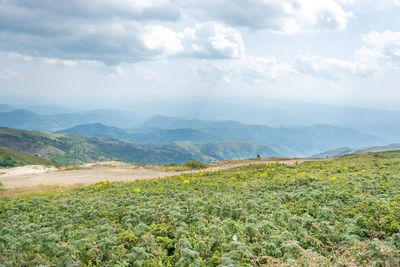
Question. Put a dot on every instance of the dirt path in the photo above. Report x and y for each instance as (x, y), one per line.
(20, 179)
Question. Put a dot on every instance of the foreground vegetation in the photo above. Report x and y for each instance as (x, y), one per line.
(322, 213)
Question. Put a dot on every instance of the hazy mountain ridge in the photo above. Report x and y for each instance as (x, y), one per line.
(220, 150)
(29, 120)
(298, 141)
(294, 141)
(73, 149)
(347, 150)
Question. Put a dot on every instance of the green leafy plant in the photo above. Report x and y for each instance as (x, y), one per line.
(321, 213)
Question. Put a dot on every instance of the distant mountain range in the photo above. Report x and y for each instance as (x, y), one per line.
(293, 142)
(28, 120)
(72, 149)
(346, 150)
(290, 141)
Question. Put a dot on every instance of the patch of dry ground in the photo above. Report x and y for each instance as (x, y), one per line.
(36, 178)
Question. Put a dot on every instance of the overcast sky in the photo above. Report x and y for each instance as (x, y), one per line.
(99, 53)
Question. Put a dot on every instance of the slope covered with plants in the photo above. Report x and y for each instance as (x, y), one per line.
(318, 213)
(10, 158)
(73, 149)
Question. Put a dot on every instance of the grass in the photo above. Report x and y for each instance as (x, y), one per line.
(341, 212)
(35, 191)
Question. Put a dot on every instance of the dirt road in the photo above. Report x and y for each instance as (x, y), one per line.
(20, 178)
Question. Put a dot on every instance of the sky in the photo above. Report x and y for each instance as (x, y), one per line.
(111, 54)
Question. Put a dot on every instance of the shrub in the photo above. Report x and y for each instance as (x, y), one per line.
(172, 164)
(195, 164)
(7, 161)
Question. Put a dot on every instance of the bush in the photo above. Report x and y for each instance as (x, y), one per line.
(195, 164)
(7, 161)
(173, 164)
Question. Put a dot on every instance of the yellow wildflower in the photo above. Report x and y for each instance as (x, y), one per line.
(333, 178)
(362, 170)
(137, 190)
(186, 181)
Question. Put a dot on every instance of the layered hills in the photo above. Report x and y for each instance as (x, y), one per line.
(73, 149)
(286, 141)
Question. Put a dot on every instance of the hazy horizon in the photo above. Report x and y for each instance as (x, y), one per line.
(118, 54)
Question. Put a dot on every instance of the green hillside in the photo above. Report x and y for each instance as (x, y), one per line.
(72, 149)
(220, 151)
(343, 212)
(10, 158)
(346, 150)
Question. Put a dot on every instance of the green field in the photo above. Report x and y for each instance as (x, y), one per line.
(343, 212)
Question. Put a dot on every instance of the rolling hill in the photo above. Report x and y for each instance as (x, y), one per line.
(73, 149)
(28, 120)
(10, 158)
(219, 151)
(346, 150)
(291, 142)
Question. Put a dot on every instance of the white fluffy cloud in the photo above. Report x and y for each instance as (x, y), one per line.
(163, 39)
(249, 69)
(381, 46)
(330, 68)
(380, 50)
(135, 30)
(283, 16)
(214, 40)
(99, 32)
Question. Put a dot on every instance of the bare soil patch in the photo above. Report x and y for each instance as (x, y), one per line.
(36, 178)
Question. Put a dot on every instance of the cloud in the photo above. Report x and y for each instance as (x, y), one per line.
(11, 75)
(162, 39)
(380, 50)
(249, 69)
(19, 56)
(56, 61)
(106, 31)
(214, 40)
(330, 68)
(137, 30)
(284, 16)
(111, 32)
